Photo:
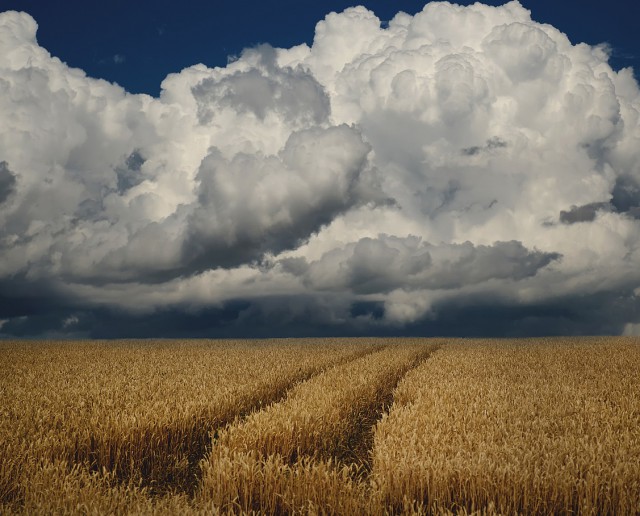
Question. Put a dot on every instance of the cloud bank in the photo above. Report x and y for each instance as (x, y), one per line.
(463, 171)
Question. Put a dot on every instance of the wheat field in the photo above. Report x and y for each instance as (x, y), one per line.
(321, 426)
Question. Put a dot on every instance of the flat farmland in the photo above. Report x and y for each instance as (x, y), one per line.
(321, 426)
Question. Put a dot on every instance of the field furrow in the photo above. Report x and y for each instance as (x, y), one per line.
(528, 427)
(307, 446)
(141, 412)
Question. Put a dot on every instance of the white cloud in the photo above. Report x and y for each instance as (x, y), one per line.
(463, 149)
(70, 321)
(631, 329)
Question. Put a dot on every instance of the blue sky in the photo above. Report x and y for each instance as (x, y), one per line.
(136, 44)
(327, 170)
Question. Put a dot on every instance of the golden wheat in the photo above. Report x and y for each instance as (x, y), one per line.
(141, 411)
(527, 427)
(485, 427)
(258, 463)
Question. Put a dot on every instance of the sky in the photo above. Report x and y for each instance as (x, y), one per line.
(282, 169)
(137, 44)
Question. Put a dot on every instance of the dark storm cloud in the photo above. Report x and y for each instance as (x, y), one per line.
(626, 195)
(605, 313)
(625, 199)
(387, 263)
(493, 143)
(35, 308)
(586, 213)
(272, 316)
(7, 181)
(20, 296)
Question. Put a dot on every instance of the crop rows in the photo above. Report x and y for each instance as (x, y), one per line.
(141, 412)
(526, 427)
(299, 451)
(384, 426)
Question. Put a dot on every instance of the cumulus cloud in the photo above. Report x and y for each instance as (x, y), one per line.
(389, 263)
(290, 196)
(390, 178)
(264, 88)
